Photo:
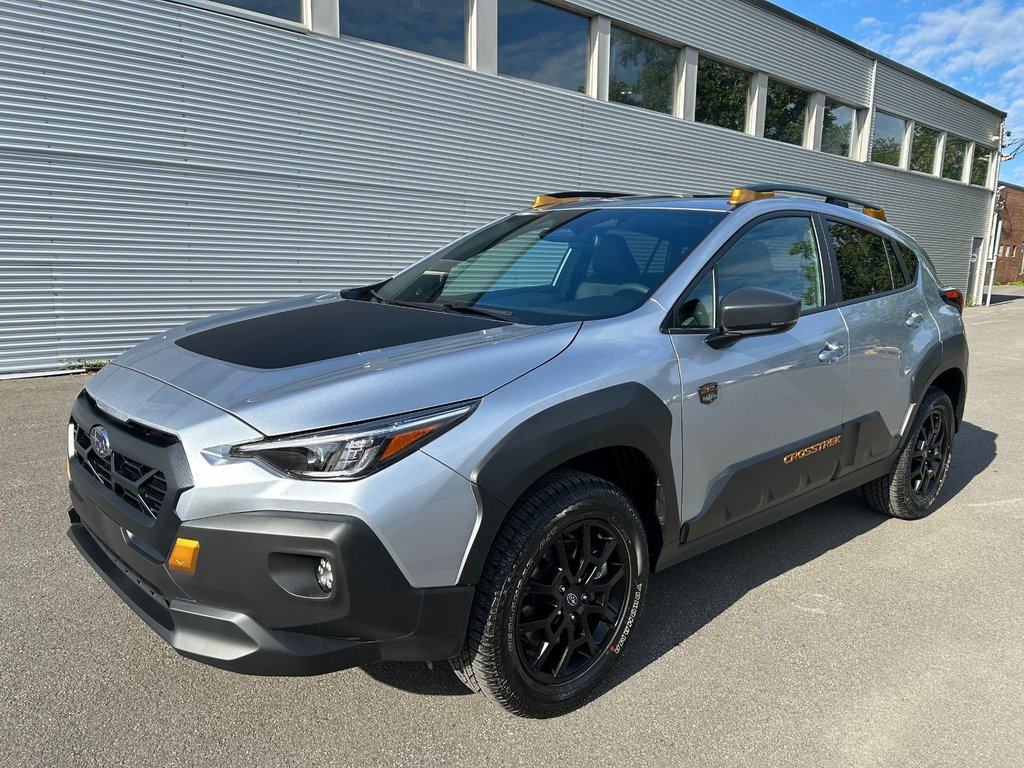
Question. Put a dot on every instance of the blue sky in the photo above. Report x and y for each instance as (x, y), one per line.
(977, 46)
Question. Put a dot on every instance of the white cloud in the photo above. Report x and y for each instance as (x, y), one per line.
(975, 46)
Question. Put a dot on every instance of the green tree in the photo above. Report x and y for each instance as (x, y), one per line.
(885, 149)
(785, 113)
(642, 71)
(721, 94)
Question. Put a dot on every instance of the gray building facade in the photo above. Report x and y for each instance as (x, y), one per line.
(161, 160)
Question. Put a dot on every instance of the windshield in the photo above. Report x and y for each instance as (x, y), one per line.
(555, 266)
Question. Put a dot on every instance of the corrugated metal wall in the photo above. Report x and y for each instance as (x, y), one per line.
(753, 37)
(159, 163)
(903, 95)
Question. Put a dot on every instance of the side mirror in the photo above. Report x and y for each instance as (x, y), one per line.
(751, 311)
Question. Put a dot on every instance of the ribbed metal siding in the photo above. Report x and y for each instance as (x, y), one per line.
(754, 37)
(159, 163)
(899, 93)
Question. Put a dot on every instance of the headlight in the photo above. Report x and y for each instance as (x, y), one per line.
(347, 453)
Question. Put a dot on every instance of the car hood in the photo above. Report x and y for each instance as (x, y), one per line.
(323, 361)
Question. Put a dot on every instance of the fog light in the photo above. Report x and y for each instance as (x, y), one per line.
(325, 574)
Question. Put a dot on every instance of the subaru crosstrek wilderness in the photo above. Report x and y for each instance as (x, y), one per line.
(483, 458)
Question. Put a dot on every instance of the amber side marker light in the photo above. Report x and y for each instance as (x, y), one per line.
(403, 440)
(184, 556)
(741, 196)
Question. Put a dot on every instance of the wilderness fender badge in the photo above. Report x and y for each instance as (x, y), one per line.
(810, 450)
(708, 393)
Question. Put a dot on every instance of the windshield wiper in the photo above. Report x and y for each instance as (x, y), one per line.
(469, 309)
(413, 304)
(473, 309)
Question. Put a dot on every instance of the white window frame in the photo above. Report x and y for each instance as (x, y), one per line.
(241, 13)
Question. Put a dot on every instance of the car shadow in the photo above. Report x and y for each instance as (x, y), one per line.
(685, 598)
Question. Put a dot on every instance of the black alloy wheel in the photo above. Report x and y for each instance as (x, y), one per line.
(911, 488)
(931, 450)
(574, 600)
(558, 598)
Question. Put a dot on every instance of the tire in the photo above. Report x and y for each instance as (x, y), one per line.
(912, 488)
(540, 599)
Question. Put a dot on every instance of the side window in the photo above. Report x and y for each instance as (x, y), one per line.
(697, 312)
(780, 254)
(910, 259)
(864, 262)
(899, 280)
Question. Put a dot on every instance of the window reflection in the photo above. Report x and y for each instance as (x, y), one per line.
(837, 129)
(953, 160)
(643, 71)
(864, 261)
(887, 143)
(721, 94)
(542, 43)
(922, 150)
(979, 168)
(434, 27)
(785, 113)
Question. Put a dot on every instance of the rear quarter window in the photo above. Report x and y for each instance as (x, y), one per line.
(910, 260)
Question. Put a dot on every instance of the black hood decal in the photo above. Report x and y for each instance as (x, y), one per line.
(326, 331)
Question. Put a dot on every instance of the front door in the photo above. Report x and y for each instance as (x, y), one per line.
(761, 418)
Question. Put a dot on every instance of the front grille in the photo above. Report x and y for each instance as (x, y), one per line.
(138, 485)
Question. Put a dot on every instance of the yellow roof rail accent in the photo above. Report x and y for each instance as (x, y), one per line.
(541, 200)
(740, 196)
(751, 192)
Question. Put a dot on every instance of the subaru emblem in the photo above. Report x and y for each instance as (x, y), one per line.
(100, 441)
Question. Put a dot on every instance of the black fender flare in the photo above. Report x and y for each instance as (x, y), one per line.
(628, 415)
(949, 354)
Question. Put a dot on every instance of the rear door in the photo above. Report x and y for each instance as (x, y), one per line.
(760, 418)
(890, 328)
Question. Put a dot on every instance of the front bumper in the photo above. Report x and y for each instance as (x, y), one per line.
(253, 606)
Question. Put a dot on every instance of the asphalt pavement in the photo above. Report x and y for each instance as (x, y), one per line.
(835, 638)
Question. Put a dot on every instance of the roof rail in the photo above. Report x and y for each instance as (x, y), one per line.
(752, 192)
(555, 198)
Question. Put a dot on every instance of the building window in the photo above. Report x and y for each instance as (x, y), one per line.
(722, 93)
(542, 43)
(434, 27)
(643, 71)
(953, 160)
(887, 144)
(837, 130)
(979, 168)
(922, 150)
(785, 113)
(291, 10)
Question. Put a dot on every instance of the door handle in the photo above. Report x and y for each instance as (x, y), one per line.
(832, 353)
(914, 320)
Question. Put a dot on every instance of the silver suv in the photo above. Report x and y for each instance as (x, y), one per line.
(483, 458)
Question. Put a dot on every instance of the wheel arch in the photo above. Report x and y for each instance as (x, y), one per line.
(621, 434)
(945, 367)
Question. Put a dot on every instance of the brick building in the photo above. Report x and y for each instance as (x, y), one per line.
(1010, 256)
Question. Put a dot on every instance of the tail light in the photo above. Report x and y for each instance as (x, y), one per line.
(953, 297)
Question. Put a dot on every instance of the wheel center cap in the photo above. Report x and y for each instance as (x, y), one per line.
(572, 599)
